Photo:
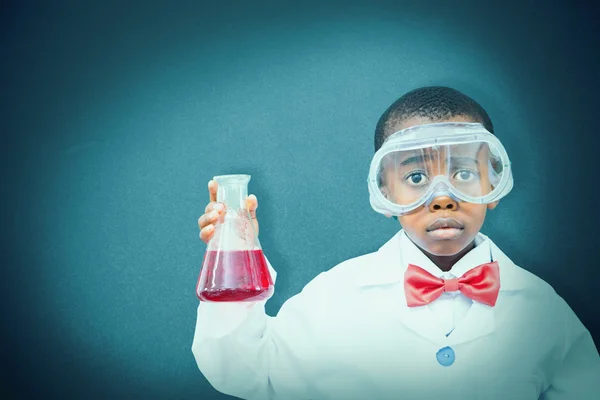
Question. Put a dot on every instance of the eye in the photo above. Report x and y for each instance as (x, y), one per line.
(465, 175)
(416, 179)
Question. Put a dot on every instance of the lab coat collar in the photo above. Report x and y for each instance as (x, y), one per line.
(388, 267)
(391, 260)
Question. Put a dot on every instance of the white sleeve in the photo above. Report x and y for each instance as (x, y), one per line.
(245, 353)
(578, 374)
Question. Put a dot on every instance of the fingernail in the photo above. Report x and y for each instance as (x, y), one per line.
(218, 207)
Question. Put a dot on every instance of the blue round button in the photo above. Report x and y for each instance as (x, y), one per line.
(445, 356)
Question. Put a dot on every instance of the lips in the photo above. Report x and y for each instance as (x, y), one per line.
(444, 223)
(445, 229)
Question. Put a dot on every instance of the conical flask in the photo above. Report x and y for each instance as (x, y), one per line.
(234, 266)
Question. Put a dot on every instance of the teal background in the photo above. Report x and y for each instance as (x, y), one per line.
(114, 117)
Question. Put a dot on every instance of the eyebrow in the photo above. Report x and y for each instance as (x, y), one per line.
(421, 158)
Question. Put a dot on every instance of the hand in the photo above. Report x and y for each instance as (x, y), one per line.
(214, 211)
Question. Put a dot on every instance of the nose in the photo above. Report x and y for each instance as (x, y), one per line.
(443, 203)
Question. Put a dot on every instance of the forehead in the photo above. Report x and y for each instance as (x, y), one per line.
(418, 120)
(427, 159)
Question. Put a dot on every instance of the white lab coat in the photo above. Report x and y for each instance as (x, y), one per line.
(350, 335)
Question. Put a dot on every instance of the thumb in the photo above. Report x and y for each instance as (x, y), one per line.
(252, 205)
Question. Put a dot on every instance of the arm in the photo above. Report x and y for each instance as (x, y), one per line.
(577, 376)
(231, 346)
(245, 353)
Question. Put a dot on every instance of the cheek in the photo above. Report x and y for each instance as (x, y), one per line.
(413, 221)
(392, 190)
(398, 191)
(477, 213)
(486, 184)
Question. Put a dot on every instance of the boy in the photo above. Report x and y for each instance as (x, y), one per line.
(437, 312)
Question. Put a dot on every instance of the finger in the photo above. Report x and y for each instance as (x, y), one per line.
(212, 190)
(252, 205)
(207, 233)
(213, 205)
(208, 218)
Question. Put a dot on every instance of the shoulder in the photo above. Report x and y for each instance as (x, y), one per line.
(533, 295)
(528, 281)
(342, 275)
(530, 293)
(343, 280)
(323, 296)
(538, 305)
(514, 277)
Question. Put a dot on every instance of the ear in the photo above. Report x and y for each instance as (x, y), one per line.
(493, 205)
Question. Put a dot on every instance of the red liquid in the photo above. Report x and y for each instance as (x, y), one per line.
(241, 275)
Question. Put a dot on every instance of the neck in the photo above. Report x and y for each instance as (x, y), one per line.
(445, 263)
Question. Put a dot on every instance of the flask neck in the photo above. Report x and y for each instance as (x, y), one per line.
(232, 190)
(232, 195)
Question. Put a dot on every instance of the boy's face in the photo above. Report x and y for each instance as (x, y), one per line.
(467, 217)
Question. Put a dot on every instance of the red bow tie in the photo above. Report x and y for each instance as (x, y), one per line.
(481, 284)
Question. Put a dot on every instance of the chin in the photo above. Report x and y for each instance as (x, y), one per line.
(441, 250)
(444, 247)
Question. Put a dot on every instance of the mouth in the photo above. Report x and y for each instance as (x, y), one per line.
(445, 229)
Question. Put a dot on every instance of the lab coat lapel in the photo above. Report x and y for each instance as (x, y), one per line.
(390, 270)
(420, 320)
(478, 322)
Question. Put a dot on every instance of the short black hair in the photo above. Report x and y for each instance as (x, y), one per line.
(433, 102)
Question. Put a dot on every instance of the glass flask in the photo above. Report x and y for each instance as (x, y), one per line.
(234, 266)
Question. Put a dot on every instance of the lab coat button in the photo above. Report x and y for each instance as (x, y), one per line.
(445, 356)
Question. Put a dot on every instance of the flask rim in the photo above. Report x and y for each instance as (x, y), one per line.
(232, 178)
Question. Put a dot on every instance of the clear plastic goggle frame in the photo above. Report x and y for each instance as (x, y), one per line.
(432, 136)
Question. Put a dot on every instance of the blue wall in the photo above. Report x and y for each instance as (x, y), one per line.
(114, 117)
